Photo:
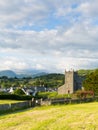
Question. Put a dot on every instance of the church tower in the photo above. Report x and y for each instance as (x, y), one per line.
(72, 83)
(69, 81)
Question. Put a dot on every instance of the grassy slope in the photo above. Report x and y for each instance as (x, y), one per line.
(64, 117)
(8, 101)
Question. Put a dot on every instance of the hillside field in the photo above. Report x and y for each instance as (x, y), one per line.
(58, 117)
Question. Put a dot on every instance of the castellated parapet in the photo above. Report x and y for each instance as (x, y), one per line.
(72, 83)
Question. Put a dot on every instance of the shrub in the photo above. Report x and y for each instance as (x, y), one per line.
(15, 97)
(19, 92)
(63, 96)
(51, 95)
(78, 93)
(43, 95)
(84, 94)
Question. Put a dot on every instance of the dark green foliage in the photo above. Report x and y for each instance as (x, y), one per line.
(2, 93)
(91, 82)
(19, 91)
(15, 97)
(49, 80)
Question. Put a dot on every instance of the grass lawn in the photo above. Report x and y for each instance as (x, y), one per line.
(8, 101)
(58, 117)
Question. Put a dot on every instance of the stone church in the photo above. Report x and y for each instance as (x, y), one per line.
(73, 82)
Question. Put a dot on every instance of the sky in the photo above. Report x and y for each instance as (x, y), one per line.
(50, 35)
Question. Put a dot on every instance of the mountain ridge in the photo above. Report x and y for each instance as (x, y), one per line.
(25, 73)
(35, 73)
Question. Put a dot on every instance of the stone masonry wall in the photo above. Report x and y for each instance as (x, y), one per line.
(4, 107)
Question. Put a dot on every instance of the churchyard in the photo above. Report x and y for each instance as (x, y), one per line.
(54, 117)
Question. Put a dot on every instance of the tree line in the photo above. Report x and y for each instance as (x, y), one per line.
(52, 80)
(49, 80)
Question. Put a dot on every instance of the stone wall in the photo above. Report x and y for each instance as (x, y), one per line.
(66, 101)
(4, 107)
(46, 103)
(62, 89)
(13, 106)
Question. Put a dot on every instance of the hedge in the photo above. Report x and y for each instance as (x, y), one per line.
(51, 95)
(15, 97)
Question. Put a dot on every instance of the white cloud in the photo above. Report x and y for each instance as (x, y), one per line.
(12, 63)
(70, 42)
(21, 13)
(89, 8)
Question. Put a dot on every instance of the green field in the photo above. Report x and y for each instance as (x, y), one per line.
(58, 117)
(8, 101)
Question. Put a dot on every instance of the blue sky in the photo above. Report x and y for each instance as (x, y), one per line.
(49, 35)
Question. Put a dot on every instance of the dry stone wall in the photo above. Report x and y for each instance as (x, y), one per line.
(13, 106)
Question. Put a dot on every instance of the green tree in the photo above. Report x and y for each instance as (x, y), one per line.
(91, 82)
(19, 92)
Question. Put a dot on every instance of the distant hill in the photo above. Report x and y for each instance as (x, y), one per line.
(29, 73)
(21, 74)
(8, 73)
(36, 73)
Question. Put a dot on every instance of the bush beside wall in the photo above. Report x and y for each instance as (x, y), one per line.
(15, 97)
